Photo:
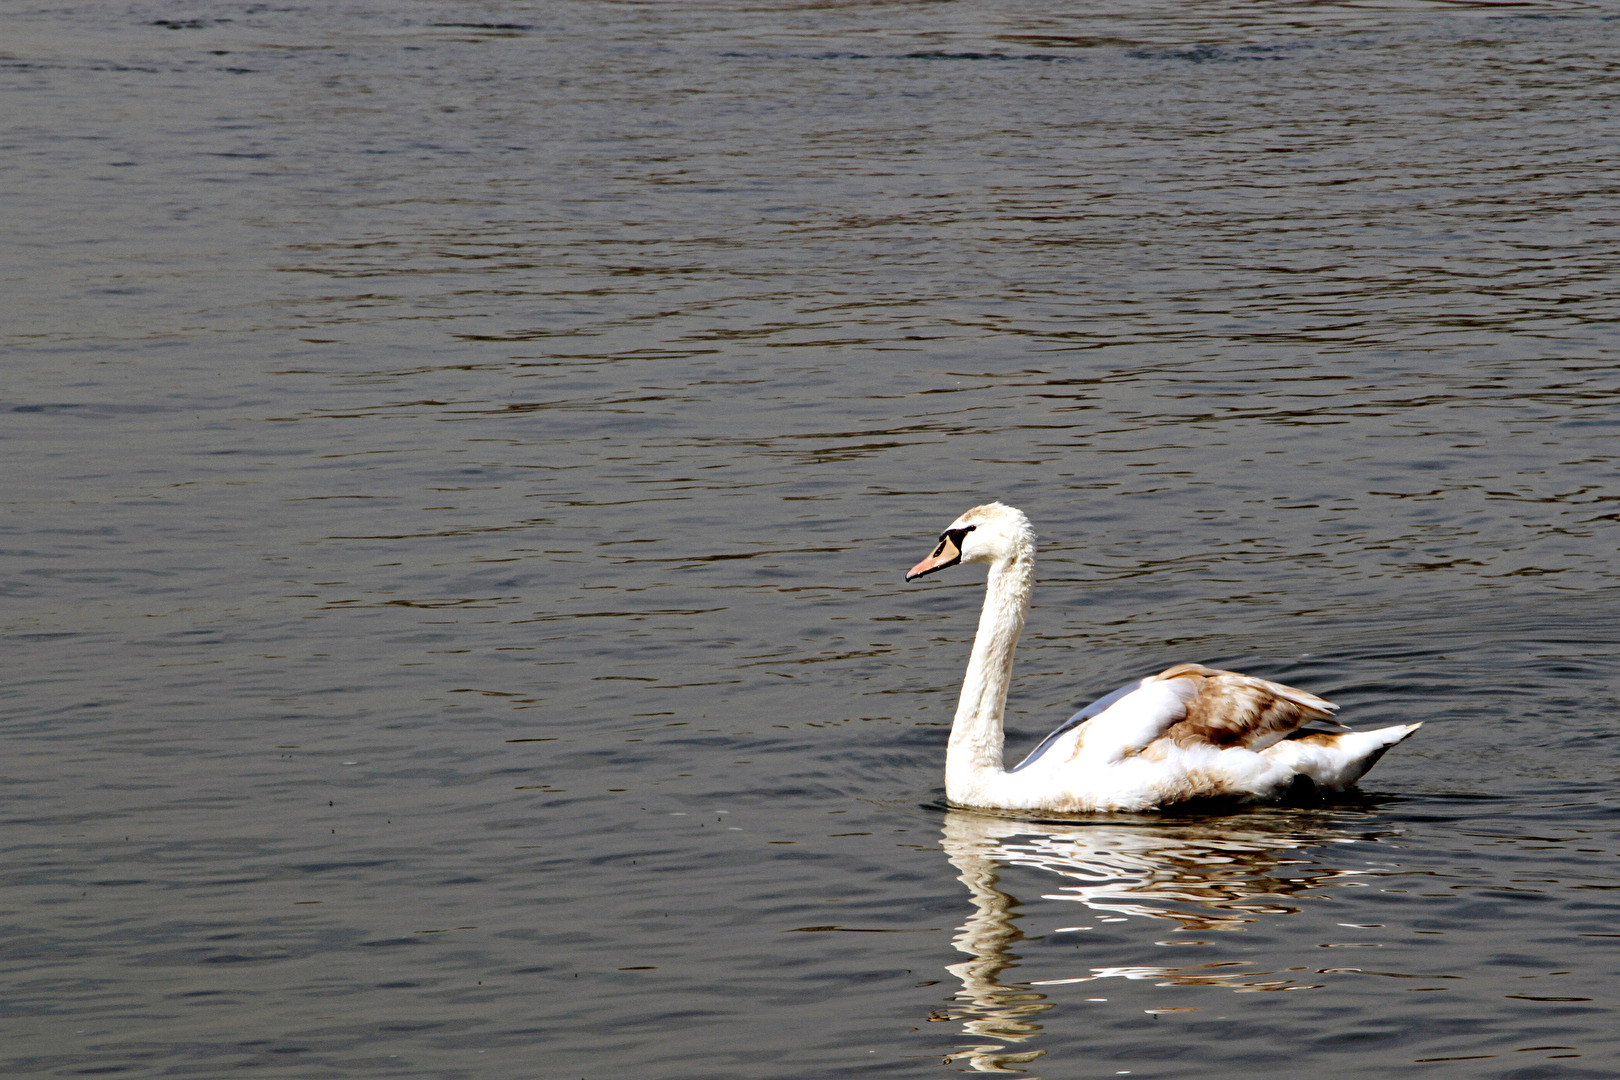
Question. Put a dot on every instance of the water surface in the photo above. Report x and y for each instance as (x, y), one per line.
(461, 457)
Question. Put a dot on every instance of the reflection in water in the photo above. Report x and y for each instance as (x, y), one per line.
(1209, 875)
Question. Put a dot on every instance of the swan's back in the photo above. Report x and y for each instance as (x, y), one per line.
(1193, 731)
(1230, 709)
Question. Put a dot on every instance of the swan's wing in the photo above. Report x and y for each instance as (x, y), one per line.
(1188, 704)
(1097, 707)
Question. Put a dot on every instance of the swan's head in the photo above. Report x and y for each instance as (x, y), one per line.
(993, 533)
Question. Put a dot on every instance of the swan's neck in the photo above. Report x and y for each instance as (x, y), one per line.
(974, 755)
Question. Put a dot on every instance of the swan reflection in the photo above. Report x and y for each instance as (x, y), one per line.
(1208, 876)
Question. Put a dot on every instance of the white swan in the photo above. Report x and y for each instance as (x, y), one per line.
(1188, 732)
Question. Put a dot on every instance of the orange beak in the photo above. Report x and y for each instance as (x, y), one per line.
(946, 554)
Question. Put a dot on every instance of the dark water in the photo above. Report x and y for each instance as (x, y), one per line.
(460, 458)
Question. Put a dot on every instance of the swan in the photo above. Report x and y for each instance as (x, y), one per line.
(1189, 732)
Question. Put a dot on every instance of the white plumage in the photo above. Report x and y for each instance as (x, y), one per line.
(1187, 732)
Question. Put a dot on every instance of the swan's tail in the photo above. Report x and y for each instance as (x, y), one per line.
(1335, 760)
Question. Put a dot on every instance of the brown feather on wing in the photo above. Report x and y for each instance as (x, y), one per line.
(1229, 709)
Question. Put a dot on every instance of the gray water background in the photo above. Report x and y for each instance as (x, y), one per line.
(460, 459)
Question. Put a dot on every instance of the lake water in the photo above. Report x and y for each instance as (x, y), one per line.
(460, 458)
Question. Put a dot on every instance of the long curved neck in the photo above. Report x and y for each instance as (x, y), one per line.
(974, 755)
